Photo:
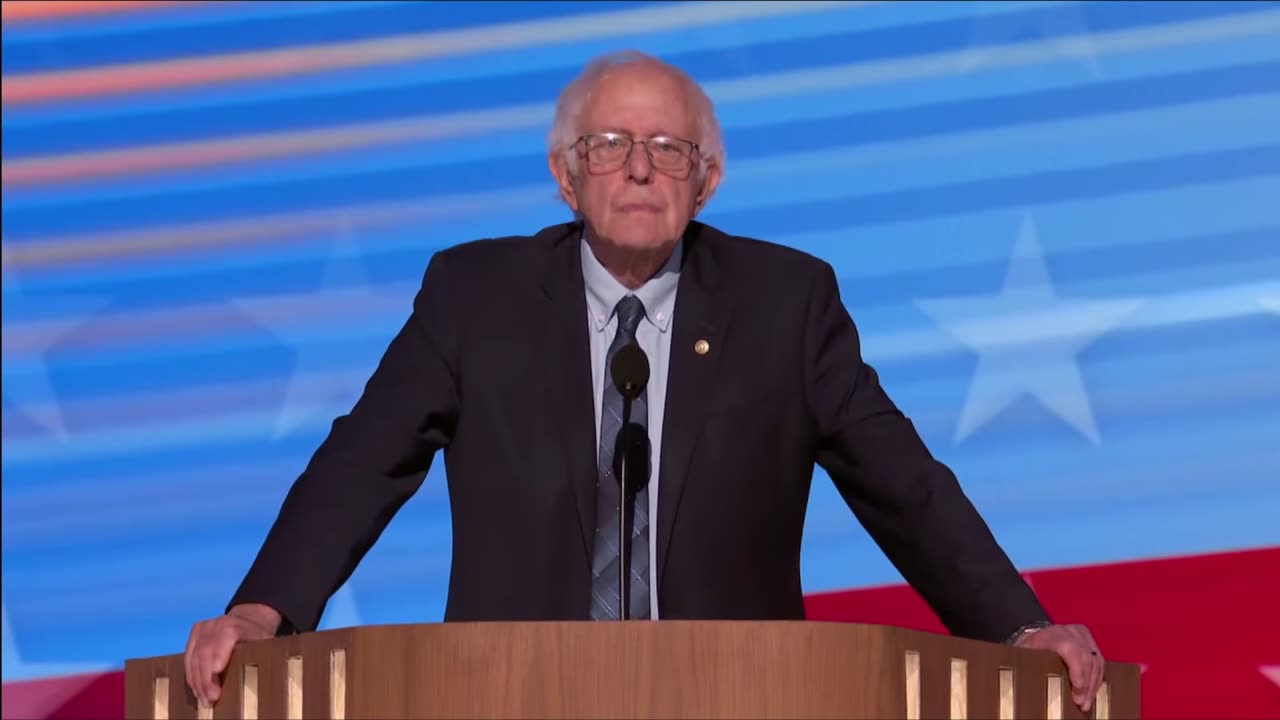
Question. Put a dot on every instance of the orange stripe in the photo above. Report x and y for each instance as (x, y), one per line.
(55, 251)
(252, 65)
(221, 151)
(158, 158)
(247, 65)
(141, 77)
(24, 10)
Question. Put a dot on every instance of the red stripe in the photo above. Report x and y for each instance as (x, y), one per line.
(79, 697)
(1204, 625)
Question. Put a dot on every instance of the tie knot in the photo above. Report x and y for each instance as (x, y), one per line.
(629, 310)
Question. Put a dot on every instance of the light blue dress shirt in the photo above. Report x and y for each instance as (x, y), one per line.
(654, 336)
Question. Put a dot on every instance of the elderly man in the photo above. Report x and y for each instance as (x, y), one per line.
(756, 374)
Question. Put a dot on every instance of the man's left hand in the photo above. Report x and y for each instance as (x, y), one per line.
(1075, 645)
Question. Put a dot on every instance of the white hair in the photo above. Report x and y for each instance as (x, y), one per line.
(565, 129)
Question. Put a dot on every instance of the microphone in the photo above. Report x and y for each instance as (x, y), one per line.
(630, 372)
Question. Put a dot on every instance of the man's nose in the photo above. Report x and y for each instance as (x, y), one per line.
(638, 165)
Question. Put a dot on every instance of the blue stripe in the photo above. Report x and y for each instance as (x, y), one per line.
(855, 105)
(570, 53)
(938, 384)
(24, 225)
(172, 459)
(428, 96)
(267, 358)
(246, 353)
(397, 254)
(1032, 107)
(1150, 174)
(237, 32)
(899, 284)
(1149, 356)
(1067, 268)
(1227, 285)
(158, 16)
(1005, 192)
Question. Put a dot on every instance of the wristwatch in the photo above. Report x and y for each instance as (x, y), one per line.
(1027, 630)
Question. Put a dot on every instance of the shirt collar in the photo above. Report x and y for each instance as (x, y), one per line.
(604, 291)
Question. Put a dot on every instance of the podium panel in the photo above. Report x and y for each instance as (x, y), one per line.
(667, 669)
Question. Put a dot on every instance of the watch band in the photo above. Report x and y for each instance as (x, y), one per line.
(1026, 630)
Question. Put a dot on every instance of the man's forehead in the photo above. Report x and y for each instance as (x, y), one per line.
(630, 79)
(618, 107)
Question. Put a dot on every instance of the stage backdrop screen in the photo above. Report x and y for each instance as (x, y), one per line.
(1056, 225)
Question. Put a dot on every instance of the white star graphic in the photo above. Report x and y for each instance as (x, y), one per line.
(1027, 340)
(314, 389)
(27, 343)
(1271, 672)
(1062, 27)
(342, 610)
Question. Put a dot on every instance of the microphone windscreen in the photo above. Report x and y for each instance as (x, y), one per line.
(630, 370)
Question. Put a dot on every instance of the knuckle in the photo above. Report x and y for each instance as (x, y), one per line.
(208, 656)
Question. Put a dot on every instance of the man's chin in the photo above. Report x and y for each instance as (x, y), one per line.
(645, 238)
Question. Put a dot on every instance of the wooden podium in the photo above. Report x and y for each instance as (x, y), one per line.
(668, 669)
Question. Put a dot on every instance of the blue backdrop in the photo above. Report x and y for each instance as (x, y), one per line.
(1056, 224)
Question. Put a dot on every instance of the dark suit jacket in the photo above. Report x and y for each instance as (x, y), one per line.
(493, 367)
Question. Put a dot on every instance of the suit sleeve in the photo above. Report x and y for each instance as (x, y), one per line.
(371, 462)
(910, 503)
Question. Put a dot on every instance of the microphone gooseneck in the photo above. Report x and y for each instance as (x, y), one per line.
(630, 373)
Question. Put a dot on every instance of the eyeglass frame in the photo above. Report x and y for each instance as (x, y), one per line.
(695, 154)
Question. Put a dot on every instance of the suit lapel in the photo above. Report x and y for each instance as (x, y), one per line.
(701, 317)
(568, 373)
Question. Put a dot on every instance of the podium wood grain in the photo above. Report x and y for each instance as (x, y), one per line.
(665, 669)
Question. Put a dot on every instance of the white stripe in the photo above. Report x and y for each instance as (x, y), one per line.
(1035, 327)
(54, 248)
(242, 230)
(160, 324)
(756, 87)
(1027, 53)
(112, 441)
(558, 31)
(512, 35)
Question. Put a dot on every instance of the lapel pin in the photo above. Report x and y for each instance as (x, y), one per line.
(701, 347)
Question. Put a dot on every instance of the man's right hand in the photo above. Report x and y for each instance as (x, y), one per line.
(211, 642)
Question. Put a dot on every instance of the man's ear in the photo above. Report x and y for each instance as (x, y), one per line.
(710, 181)
(558, 162)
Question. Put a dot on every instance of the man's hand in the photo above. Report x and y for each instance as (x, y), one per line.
(1075, 645)
(211, 642)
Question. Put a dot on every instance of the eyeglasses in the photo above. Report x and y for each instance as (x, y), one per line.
(607, 152)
